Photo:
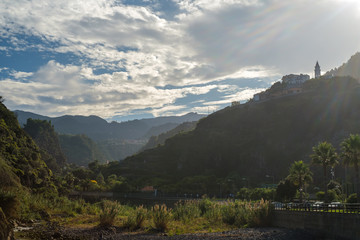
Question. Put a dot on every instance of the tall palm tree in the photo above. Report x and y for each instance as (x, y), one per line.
(325, 155)
(300, 175)
(351, 155)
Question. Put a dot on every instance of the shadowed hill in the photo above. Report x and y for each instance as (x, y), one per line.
(20, 155)
(350, 68)
(257, 139)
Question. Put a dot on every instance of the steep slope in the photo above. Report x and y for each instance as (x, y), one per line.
(19, 153)
(47, 139)
(160, 139)
(350, 68)
(257, 139)
(80, 149)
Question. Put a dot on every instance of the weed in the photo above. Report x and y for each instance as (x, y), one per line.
(109, 212)
(161, 217)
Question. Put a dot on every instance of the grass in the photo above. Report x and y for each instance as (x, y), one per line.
(194, 216)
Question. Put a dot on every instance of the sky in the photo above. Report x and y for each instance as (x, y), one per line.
(132, 59)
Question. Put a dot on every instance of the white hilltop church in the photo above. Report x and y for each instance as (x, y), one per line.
(291, 84)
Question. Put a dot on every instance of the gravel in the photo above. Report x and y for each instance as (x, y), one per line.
(54, 231)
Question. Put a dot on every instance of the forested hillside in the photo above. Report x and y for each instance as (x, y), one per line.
(47, 139)
(81, 150)
(253, 140)
(20, 158)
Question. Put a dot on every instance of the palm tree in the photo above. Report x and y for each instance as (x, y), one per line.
(351, 155)
(325, 155)
(300, 175)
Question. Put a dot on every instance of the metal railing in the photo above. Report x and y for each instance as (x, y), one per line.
(353, 208)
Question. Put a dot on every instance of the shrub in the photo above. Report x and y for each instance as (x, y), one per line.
(260, 214)
(320, 195)
(185, 211)
(109, 212)
(352, 198)
(136, 219)
(161, 217)
(213, 213)
(204, 205)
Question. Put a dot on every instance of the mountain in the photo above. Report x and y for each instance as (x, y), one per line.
(47, 139)
(99, 129)
(21, 161)
(255, 139)
(81, 150)
(350, 68)
(160, 139)
(117, 140)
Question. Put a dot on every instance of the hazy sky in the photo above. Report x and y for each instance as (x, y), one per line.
(126, 59)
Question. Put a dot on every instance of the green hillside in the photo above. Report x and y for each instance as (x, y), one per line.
(80, 149)
(252, 140)
(47, 139)
(160, 139)
(20, 158)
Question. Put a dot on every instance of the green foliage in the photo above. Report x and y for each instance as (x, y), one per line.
(351, 155)
(136, 218)
(352, 198)
(47, 139)
(251, 135)
(256, 193)
(320, 195)
(161, 217)
(335, 186)
(20, 154)
(110, 210)
(80, 149)
(285, 191)
(190, 209)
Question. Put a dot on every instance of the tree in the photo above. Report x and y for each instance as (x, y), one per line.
(300, 175)
(1, 99)
(325, 155)
(351, 155)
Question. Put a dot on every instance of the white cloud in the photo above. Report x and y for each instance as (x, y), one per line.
(143, 53)
(19, 75)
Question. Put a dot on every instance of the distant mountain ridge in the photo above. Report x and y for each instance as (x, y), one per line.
(99, 129)
(115, 140)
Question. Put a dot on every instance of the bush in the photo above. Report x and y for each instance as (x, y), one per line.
(161, 217)
(185, 211)
(109, 212)
(320, 195)
(205, 205)
(352, 198)
(136, 219)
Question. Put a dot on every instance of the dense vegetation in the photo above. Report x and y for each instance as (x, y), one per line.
(44, 135)
(81, 150)
(243, 144)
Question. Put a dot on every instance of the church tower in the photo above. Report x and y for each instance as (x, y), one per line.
(317, 70)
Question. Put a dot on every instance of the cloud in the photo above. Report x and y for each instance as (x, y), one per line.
(139, 58)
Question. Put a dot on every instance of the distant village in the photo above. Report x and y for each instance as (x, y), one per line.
(290, 84)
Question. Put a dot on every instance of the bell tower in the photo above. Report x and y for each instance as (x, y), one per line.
(317, 70)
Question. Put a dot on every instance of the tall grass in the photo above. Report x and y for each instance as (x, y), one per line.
(161, 217)
(110, 210)
(136, 219)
